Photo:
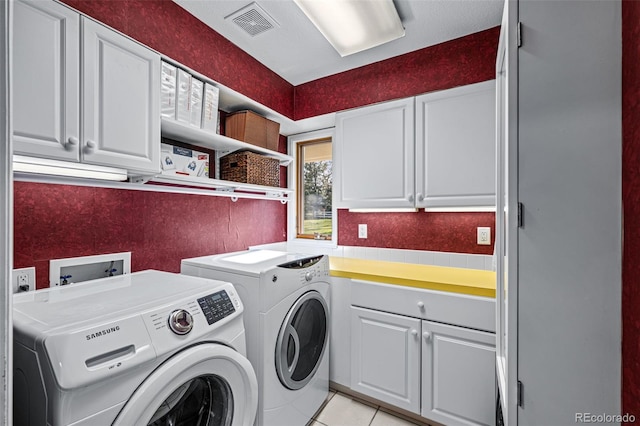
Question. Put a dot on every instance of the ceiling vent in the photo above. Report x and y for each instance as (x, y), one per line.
(253, 19)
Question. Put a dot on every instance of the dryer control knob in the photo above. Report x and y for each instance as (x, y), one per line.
(180, 321)
(308, 276)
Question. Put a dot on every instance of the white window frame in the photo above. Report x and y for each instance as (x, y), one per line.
(292, 173)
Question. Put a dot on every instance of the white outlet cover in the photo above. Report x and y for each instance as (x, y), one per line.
(484, 235)
(23, 276)
(362, 230)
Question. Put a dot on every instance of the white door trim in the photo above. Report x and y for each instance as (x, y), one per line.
(6, 214)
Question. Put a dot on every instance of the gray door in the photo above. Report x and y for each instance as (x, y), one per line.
(202, 401)
(302, 340)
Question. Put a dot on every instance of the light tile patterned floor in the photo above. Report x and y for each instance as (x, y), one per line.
(342, 410)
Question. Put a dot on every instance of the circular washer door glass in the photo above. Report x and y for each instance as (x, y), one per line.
(302, 340)
(202, 401)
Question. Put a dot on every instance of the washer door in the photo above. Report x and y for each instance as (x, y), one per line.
(204, 385)
(302, 340)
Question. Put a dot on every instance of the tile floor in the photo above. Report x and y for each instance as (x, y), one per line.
(342, 410)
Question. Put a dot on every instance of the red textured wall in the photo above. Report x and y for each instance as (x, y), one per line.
(171, 30)
(451, 232)
(631, 207)
(160, 229)
(466, 60)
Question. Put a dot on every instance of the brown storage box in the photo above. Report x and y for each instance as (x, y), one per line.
(248, 167)
(247, 126)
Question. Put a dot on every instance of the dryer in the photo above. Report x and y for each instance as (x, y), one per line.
(286, 298)
(147, 348)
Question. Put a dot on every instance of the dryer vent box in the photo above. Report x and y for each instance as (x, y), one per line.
(85, 268)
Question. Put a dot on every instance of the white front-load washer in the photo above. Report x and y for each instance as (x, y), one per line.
(148, 348)
(286, 298)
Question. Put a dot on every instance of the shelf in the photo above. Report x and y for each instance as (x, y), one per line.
(237, 188)
(206, 139)
(168, 184)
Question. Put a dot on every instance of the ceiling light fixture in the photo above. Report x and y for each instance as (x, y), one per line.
(352, 26)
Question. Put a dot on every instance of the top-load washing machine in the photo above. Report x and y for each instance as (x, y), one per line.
(149, 348)
(287, 324)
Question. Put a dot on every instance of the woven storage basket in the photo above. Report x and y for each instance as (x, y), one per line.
(248, 167)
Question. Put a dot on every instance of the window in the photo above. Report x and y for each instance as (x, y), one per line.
(314, 189)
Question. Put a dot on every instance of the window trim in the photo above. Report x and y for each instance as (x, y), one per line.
(294, 143)
(299, 194)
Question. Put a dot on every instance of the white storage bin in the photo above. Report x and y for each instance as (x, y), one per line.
(168, 93)
(189, 92)
(210, 108)
(197, 87)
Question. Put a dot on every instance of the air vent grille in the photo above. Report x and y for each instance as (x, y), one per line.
(253, 19)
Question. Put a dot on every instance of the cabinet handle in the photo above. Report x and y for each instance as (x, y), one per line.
(420, 197)
(426, 335)
(71, 142)
(414, 332)
(421, 306)
(410, 197)
(91, 145)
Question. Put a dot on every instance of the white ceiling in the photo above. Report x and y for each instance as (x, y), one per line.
(297, 51)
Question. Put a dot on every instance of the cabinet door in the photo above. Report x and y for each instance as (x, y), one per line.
(458, 375)
(46, 83)
(455, 147)
(375, 156)
(121, 89)
(385, 357)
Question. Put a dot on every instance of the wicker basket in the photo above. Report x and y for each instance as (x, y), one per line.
(248, 167)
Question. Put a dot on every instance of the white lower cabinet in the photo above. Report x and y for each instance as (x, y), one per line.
(385, 357)
(443, 372)
(458, 375)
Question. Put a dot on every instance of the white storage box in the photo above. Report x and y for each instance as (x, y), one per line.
(197, 87)
(189, 103)
(210, 108)
(183, 161)
(168, 94)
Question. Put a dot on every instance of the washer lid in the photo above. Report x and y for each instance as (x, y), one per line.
(113, 297)
(247, 262)
(99, 329)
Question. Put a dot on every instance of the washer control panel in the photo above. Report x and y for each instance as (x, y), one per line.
(309, 269)
(216, 306)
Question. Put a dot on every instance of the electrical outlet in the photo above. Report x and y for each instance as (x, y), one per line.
(23, 279)
(362, 230)
(484, 235)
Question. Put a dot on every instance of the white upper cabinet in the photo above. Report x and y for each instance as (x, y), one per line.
(46, 81)
(121, 98)
(441, 156)
(375, 156)
(455, 147)
(118, 101)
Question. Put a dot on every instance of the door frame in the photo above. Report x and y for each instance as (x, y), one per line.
(6, 212)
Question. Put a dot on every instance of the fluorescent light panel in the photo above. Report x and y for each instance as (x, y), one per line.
(385, 210)
(62, 168)
(469, 209)
(352, 26)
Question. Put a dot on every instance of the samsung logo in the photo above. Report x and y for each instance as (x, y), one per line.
(102, 332)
